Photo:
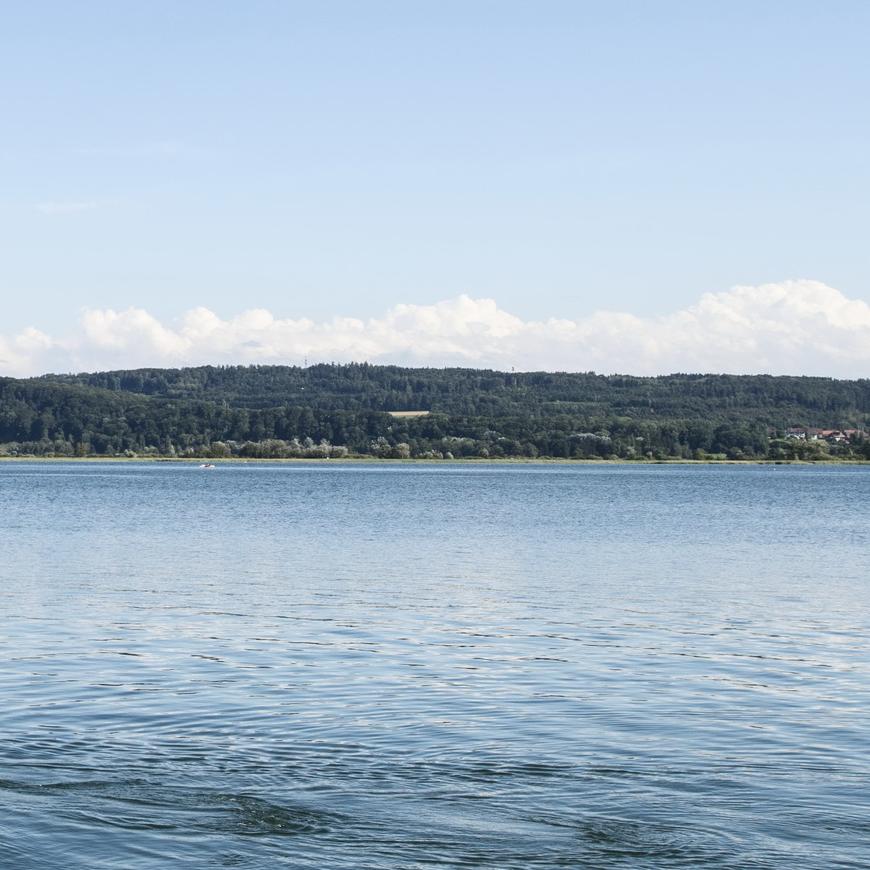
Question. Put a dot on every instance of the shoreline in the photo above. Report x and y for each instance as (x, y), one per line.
(470, 460)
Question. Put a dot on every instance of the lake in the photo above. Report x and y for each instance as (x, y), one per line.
(344, 665)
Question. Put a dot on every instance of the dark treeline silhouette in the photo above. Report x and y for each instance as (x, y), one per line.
(336, 410)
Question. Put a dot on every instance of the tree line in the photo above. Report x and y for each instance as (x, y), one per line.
(339, 410)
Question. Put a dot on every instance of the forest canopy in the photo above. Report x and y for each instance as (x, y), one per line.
(339, 410)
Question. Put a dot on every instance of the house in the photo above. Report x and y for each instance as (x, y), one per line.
(832, 436)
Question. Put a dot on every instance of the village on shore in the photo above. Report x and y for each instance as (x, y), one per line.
(832, 436)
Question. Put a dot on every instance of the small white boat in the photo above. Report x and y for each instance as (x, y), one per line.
(207, 465)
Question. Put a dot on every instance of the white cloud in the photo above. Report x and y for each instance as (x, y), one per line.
(160, 148)
(56, 208)
(793, 327)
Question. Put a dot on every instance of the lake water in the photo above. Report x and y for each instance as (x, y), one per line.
(446, 665)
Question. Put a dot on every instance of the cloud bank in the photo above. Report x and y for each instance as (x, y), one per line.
(793, 327)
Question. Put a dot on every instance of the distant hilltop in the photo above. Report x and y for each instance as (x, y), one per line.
(394, 412)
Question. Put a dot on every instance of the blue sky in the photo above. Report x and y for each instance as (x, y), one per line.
(321, 159)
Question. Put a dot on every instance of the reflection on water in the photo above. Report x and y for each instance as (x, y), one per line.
(384, 666)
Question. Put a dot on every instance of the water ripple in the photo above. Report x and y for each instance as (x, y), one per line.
(535, 668)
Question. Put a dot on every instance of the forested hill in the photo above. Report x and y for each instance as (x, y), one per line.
(335, 409)
(779, 401)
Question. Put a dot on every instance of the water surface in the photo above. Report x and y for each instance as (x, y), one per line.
(445, 665)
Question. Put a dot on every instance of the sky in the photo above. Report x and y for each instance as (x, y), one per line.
(626, 186)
